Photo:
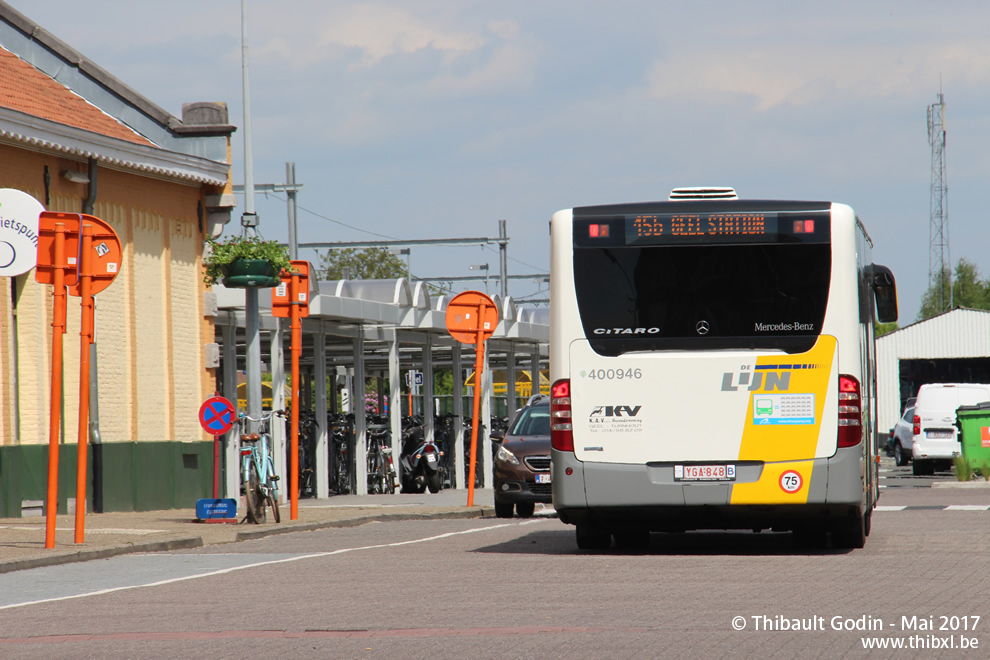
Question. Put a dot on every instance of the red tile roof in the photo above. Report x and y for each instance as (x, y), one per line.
(28, 90)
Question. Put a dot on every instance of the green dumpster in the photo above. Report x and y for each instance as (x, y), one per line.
(974, 427)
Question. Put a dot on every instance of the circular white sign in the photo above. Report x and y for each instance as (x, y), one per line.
(790, 481)
(19, 214)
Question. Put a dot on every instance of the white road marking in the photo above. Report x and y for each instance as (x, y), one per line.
(267, 563)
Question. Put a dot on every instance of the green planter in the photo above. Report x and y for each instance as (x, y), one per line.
(247, 273)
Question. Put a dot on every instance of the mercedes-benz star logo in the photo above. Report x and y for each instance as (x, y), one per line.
(702, 327)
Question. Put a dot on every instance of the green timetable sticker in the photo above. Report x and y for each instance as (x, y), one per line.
(776, 409)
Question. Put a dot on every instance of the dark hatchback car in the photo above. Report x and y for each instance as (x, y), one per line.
(522, 462)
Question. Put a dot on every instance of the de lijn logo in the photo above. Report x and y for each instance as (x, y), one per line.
(755, 382)
(19, 213)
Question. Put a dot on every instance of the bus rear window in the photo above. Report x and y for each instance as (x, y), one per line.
(678, 297)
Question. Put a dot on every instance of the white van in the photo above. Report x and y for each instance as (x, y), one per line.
(936, 437)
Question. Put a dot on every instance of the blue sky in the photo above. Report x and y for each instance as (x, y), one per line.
(432, 119)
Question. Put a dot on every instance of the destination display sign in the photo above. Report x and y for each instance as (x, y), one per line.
(703, 228)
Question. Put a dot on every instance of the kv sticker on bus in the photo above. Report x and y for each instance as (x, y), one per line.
(790, 481)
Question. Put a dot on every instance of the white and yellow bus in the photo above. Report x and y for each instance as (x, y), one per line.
(712, 367)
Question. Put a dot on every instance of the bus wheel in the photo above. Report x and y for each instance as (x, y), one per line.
(592, 538)
(852, 534)
(632, 540)
(808, 538)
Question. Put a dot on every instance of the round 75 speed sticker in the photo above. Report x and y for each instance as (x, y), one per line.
(790, 481)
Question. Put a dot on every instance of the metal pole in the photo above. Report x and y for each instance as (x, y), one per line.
(231, 450)
(290, 180)
(479, 362)
(503, 246)
(296, 328)
(457, 445)
(322, 438)
(55, 402)
(85, 338)
(249, 219)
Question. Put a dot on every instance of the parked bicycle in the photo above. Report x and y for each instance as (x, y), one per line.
(308, 430)
(341, 431)
(381, 469)
(258, 478)
(443, 433)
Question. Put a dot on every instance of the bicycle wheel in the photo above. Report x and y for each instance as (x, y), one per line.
(390, 477)
(273, 503)
(253, 498)
(381, 470)
(271, 491)
(306, 484)
(374, 474)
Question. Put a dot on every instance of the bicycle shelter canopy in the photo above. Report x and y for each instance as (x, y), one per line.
(360, 329)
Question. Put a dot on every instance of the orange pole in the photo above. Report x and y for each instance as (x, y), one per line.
(479, 363)
(85, 339)
(296, 328)
(55, 402)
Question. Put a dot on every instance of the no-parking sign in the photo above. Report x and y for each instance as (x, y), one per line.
(217, 415)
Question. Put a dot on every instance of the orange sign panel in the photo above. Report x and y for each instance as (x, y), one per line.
(468, 314)
(44, 274)
(281, 302)
(104, 258)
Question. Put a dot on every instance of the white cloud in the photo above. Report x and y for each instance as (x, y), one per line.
(805, 74)
(512, 66)
(375, 30)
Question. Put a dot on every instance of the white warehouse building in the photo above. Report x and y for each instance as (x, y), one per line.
(953, 347)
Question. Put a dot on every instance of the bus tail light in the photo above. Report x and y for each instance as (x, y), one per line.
(561, 429)
(850, 412)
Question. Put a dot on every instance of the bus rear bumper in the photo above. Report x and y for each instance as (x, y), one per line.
(611, 495)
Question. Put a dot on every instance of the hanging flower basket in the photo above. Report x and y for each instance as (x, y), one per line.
(245, 273)
(244, 262)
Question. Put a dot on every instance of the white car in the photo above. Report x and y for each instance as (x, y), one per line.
(935, 439)
(902, 437)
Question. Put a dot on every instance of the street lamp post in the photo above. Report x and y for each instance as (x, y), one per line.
(483, 267)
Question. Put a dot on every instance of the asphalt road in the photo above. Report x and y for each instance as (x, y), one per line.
(490, 588)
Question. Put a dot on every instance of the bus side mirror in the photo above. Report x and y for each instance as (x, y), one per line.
(885, 292)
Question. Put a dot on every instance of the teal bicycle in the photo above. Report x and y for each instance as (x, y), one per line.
(258, 478)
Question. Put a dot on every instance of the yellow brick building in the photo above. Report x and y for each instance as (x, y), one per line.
(79, 141)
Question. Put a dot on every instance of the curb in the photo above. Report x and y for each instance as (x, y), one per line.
(481, 512)
(102, 553)
(961, 484)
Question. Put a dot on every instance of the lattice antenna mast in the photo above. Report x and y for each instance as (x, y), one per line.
(939, 262)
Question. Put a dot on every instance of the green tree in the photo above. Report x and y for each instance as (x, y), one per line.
(881, 329)
(367, 264)
(968, 290)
